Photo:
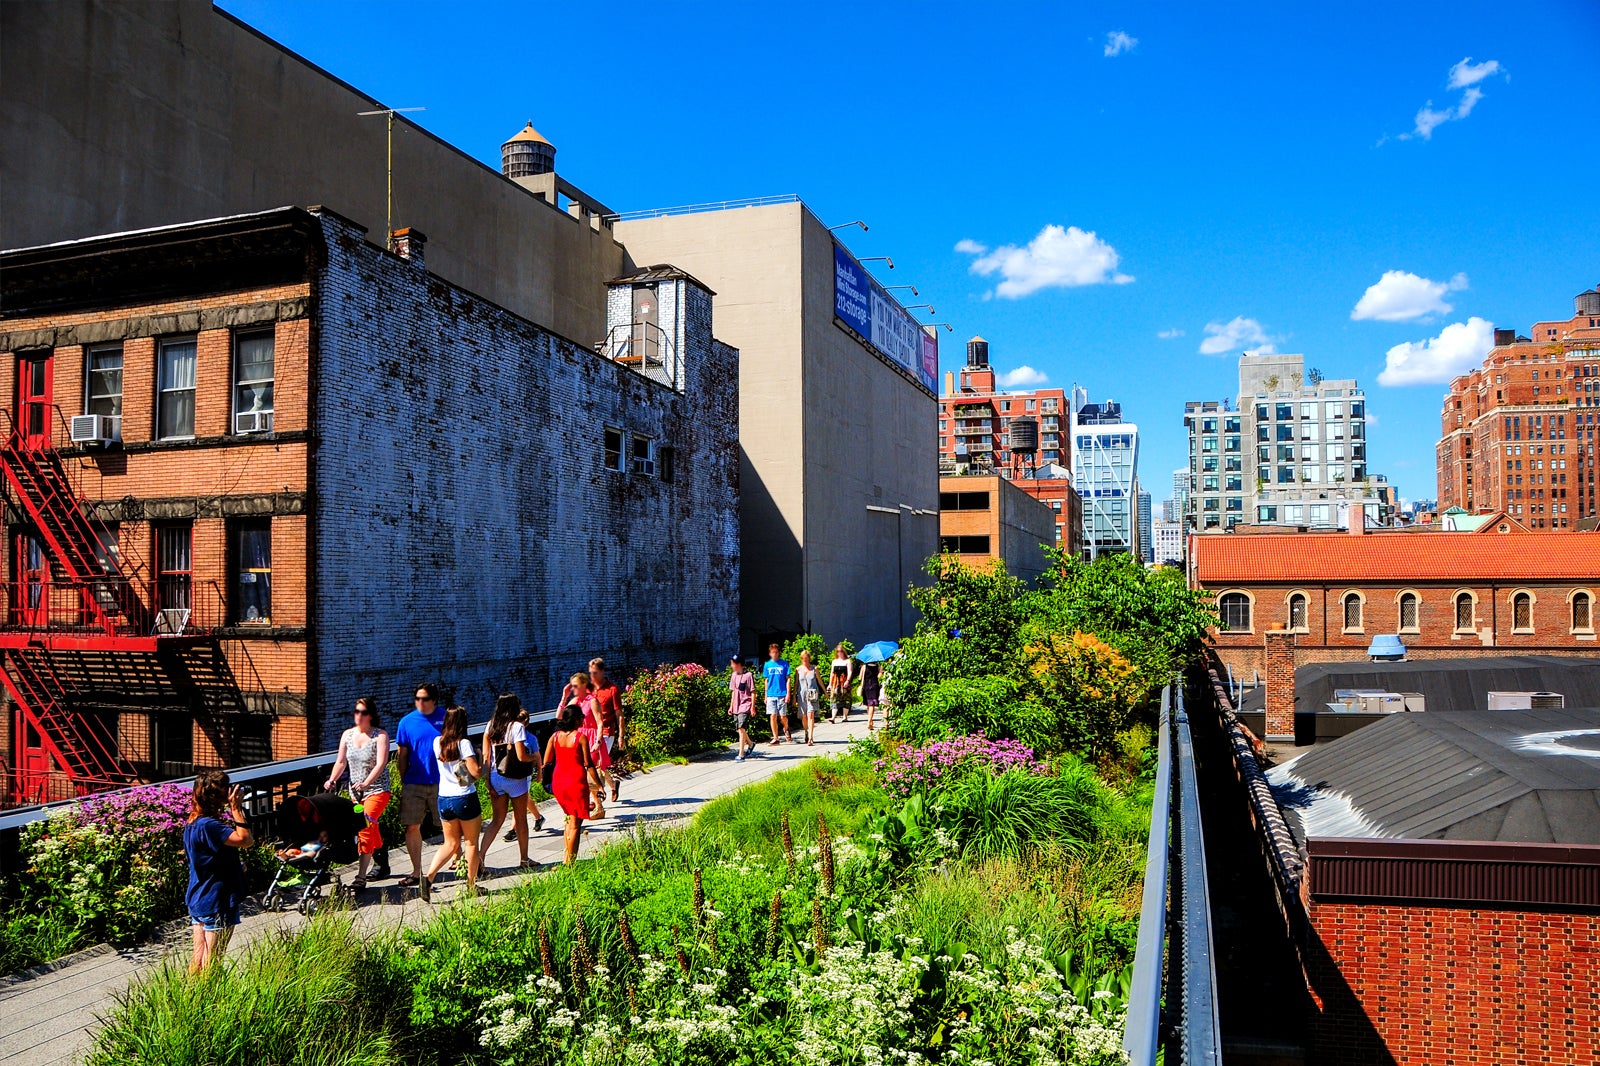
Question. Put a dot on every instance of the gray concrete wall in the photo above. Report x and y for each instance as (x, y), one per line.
(137, 113)
(827, 429)
(464, 503)
(1027, 525)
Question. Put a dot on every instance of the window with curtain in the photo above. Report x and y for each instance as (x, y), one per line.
(175, 385)
(252, 388)
(104, 385)
(174, 570)
(252, 572)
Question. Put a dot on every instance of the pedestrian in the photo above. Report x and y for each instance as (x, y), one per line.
(871, 691)
(364, 748)
(608, 706)
(808, 686)
(460, 813)
(580, 694)
(568, 755)
(419, 772)
(776, 675)
(505, 745)
(216, 876)
(839, 684)
(742, 704)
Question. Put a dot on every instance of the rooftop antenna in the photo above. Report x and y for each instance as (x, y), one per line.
(388, 211)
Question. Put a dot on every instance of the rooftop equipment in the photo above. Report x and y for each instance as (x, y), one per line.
(1386, 648)
(1526, 701)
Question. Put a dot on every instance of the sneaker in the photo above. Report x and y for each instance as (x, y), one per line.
(510, 837)
(739, 757)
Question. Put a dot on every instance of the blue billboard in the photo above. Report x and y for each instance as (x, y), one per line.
(863, 306)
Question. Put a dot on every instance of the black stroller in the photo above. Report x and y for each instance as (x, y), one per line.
(326, 826)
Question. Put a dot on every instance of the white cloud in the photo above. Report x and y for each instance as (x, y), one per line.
(1170, 334)
(1400, 296)
(1467, 72)
(1024, 376)
(1464, 75)
(1459, 348)
(1118, 42)
(1242, 334)
(1056, 258)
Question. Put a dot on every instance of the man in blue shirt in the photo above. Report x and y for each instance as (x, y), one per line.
(419, 771)
(776, 675)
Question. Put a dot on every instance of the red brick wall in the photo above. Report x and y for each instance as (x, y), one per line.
(1280, 663)
(1433, 985)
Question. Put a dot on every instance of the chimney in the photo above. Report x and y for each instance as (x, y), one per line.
(1280, 684)
(949, 383)
(1357, 519)
(407, 244)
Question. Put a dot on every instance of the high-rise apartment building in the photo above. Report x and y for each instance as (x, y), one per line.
(1518, 434)
(1180, 496)
(1105, 470)
(1146, 548)
(975, 437)
(1166, 542)
(1294, 451)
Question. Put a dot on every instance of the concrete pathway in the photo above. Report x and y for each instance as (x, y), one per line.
(48, 1019)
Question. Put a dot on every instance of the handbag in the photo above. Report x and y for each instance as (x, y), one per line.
(508, 765)
(547, 777)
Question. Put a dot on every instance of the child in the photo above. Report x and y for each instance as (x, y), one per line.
(742, 703)
(216, 876)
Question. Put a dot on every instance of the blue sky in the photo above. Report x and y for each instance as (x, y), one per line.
(1254, 168)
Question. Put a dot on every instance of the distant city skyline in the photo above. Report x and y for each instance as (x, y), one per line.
(1337, 192)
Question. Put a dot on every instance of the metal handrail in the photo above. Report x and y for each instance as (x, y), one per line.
(1198, 1025)
(695, 209)
(629, 341)
(1141, 1035)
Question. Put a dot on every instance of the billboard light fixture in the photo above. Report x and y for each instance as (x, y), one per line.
(877, 259)
(847, 225)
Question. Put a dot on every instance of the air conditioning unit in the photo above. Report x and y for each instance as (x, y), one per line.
(1526, 701)
(253, 422)
(96, 429)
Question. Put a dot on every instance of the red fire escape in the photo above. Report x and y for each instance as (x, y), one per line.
(85, 617)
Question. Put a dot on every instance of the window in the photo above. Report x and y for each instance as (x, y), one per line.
(666, 462)
(1297, 612)
(963, 501)
(174, 576)
(104, 385)
(643, 456)
(1582, 616)
(252, 383)
(252, 571)
(1234, 607)
(1352, 612)
(1464, 612)
(613, 449)
(1521, 613)
(175, 390)
(965, 545)
(1408, 612)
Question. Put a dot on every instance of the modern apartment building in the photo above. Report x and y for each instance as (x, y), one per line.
(1146, 548)
(1105, 471)
(1518, 434)
(975, 437)
(1293, 452)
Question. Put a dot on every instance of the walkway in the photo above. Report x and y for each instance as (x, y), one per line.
(48, 1020)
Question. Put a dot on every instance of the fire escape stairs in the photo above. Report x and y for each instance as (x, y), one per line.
(81, 744)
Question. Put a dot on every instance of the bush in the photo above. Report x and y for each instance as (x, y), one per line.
(1094, 685)
(676, 710)
(908, 770)
(1005, 815)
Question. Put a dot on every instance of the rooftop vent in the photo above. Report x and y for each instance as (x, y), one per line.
(1386, 647)
(1526, 701)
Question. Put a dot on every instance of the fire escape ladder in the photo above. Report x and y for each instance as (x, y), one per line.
(76, 742)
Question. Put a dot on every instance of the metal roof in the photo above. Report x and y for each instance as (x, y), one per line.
(1509, 776)
(1447, 684)
(1396, 558)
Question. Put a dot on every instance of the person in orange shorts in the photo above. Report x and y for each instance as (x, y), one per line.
(364, 749)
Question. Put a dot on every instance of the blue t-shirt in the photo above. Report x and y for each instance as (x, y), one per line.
(416, 733)
(216, 877)
(776, 673)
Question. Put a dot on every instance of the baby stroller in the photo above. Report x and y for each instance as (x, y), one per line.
(327, 826)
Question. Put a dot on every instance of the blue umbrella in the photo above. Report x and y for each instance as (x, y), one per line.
(877, 651)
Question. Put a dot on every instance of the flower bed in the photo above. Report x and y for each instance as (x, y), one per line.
(908, 769)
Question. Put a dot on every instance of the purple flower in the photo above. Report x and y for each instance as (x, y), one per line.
(910, 770)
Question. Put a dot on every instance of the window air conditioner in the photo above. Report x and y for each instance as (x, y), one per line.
(252, 422)
(96, 429)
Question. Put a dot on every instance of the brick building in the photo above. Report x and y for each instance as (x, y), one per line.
(975, 419)
(1444, 594)
(985, 518)
(1518, 434)
(259, 466)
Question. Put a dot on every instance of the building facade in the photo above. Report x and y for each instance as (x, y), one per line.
(1443, 594)
(1146, 547)
(1518, 434)
(986, 517)
(1105, 471)
(1166, 539)
(1293, 452)
(975, 437)
(263, 466)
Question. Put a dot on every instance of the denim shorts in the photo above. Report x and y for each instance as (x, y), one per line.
(460, 808)
(778, 705)
(226, 918)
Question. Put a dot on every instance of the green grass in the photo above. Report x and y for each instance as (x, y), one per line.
(843, 789)
(28, 939)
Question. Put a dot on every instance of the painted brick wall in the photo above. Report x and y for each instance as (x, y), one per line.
(1428, 985)
(466, 530)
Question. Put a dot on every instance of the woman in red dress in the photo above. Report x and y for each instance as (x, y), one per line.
(580, 693)
(569, 752)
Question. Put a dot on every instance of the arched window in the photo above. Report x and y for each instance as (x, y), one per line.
(1297, 611)
(1235, 610)
(1582, 612)
(1352, 610)
(1408, 612)
(1522, 613)
(1464, 611)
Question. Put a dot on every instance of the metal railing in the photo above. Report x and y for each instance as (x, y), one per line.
(696, 209)
(646, 348)
(1175, 939)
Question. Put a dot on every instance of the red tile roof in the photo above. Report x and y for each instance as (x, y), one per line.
(1347, 558)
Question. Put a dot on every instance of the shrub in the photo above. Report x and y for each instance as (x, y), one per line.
(675, 710)
(1004, 815)
(820, 650)
(924, 661)
(1096, 688)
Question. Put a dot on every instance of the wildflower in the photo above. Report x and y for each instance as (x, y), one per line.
(774, 923)
(580, 979)
(546, 957)
(625, 932)
(699, 900)
(788, 845)
(580, 934)
(825, 848)
(819, 935)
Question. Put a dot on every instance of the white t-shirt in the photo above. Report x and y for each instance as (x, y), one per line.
(451, 774)
(514, 732)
